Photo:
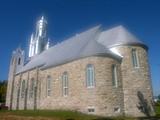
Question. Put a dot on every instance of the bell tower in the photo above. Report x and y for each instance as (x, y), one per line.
(39, 40)
(16, 63)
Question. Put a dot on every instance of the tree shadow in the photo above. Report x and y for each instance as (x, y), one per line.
(143, 105)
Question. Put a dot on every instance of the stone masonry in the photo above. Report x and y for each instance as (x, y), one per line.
(104, 97)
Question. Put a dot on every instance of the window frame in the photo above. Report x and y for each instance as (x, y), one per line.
(90, 76)
(49, 83)
(114, 75)
(91, 109)
(32, 86)
(23, 88)
(135, 59)
(65, 84)
(19, 61)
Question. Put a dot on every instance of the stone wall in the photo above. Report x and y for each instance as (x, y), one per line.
(132, 97)
(104, 97)
(136, 82)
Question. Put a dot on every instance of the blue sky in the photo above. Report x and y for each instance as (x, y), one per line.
(66, 17)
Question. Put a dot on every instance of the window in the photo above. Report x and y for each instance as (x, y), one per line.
(114, 76)
(48, 86)
(19, 61)
(117, 109)
(91, 109)
(90, 80)
(65, 83)
(135, 58)
(23, 89)
(32, 85)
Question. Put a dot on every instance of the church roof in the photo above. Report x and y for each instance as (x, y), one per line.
(93, 42)
(118, 36)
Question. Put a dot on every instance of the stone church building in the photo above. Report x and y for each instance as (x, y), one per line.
(98, 71)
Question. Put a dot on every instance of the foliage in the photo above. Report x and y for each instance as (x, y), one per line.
(159, 98)
(3, 89)
(157, 103)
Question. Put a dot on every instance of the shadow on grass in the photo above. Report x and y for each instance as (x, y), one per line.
(124, 118)
(144, 106)
(149, 118)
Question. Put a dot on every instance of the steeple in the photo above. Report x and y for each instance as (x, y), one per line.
(39, 40)
(41, 27)
(47, 45)
(31, 46)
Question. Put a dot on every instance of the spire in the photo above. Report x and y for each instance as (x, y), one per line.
(48, 44)
(31, 46)
(38, 41)
(42, 18)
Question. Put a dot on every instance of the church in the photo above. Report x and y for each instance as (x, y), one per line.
(99, 71)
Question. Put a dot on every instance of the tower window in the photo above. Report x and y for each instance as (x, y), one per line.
(19, 61)
(114, 76)
(49, 86)
(135, 58)
(90, 78)
(65, 83)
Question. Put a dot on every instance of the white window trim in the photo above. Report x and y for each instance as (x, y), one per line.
(137, 58)
(65, 88)
(90, 84)
(115, 73)
(91, 107)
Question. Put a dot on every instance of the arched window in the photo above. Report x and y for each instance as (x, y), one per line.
(32, 85)
(114, 76)
(135, 58)
(19, 61)
(49, 86)
(23, 89)
(65, 83)
(90, 77)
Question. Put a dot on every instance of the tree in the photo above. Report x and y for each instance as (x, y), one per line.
(159, 97)
(3, 90)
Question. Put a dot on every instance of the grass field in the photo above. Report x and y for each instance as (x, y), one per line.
(59, 115)
(51, 115)
(157, 110)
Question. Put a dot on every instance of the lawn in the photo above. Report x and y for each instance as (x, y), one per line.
(51, 115)
(58, 115)
(55, 115)
(157, 110)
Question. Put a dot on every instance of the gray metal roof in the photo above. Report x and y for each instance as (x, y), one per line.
(118, 36)
(89, 43)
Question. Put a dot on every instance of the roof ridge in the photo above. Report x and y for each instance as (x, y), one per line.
(77, 35)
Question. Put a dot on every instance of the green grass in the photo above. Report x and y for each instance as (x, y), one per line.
(157, 110)
(65, 115)
(60, 115)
